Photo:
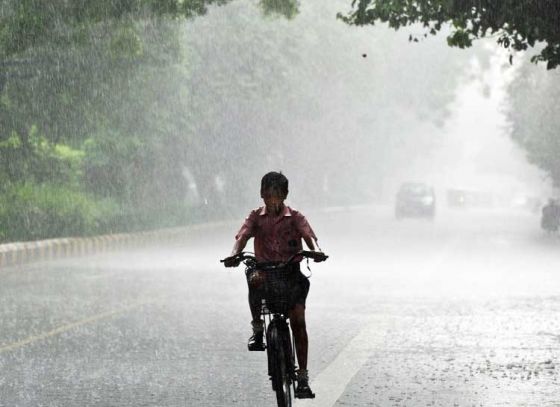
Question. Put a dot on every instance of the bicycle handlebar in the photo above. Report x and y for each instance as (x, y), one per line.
(242, 256)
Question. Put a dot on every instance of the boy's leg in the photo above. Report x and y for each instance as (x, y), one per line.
(299, 329)
(256, 341)
(255, 304)
(297, 321)
(299, 291)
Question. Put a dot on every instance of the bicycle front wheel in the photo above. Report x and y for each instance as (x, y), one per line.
(280, 374)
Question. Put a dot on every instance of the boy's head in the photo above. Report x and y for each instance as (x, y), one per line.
(276, 183)
(274, 190)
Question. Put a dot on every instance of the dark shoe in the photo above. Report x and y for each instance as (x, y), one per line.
(256, 342)
(303, 391)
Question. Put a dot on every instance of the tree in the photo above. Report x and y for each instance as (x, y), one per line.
(108, 95)
(518, 24)
(534, 117)
(28, 23)
(108, 81)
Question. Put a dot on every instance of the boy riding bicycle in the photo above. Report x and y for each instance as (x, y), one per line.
(278, 231)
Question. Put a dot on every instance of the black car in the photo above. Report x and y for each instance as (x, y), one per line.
(415, 199)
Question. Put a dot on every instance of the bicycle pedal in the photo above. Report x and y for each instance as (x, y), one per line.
(305, 396)
(256, 348)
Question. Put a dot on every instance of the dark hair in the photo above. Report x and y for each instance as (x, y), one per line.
(275, 181)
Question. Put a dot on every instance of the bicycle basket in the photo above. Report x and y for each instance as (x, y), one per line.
(277, 291)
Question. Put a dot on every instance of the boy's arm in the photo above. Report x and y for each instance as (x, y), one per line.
(306, 231)
(239, 245)
(309, 242)
(245, 233)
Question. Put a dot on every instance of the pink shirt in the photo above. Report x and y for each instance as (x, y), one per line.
(277, 238)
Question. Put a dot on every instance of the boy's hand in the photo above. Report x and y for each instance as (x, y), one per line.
(231, 261)
(318, 257)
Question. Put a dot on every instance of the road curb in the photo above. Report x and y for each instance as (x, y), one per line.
(13, 254)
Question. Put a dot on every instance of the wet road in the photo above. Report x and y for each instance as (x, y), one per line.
(458, 312)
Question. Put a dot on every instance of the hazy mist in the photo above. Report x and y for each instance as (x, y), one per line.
(349, 113)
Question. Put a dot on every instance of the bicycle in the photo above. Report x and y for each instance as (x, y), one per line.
(280, 343)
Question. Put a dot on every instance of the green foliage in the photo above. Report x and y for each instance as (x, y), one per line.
(31, 211)
(286, 8)
(28, 23)
(113, 164)
(520, 23)
(126, 42)
(534, 116)
(34, 158)
(459, 38)
(96, 117)
(13, 142)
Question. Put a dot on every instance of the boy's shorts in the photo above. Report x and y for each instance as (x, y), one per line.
(297, 283)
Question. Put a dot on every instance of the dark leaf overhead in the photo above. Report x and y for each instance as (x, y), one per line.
(518, 24)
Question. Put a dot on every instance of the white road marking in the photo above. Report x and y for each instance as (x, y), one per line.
(331, 383)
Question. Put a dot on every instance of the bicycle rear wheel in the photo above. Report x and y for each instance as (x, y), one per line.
(279, 368)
